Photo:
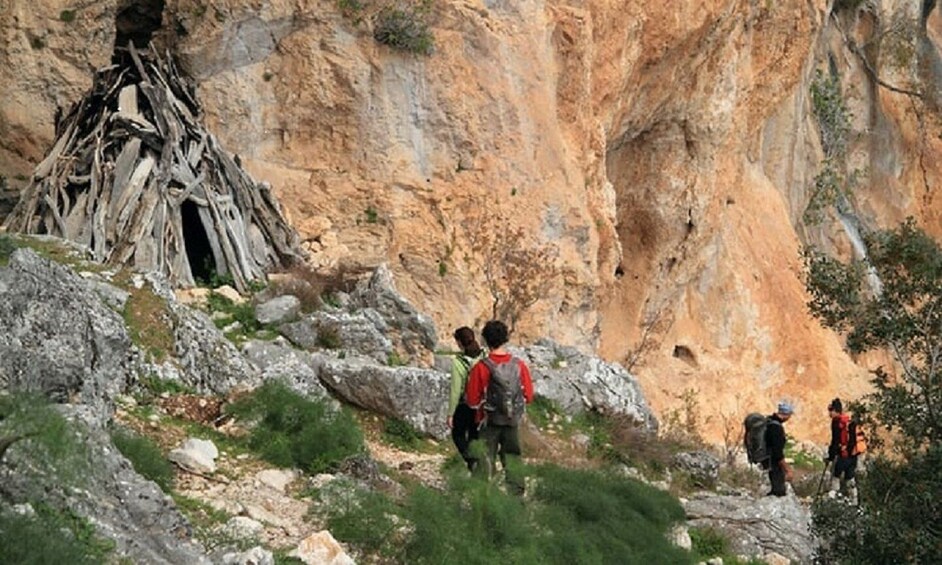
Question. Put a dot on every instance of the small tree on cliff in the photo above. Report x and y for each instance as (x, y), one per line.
(891, 301)
(518, 270)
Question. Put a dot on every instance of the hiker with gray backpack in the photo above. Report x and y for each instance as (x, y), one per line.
(499, 387)
(765, 445)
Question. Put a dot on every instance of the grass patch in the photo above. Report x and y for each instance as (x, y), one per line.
(148, 321)
(50, 536)
(157, 386)
(7, 247)
(144, 455)
(570, 516)
(710, 542)
(401, 434)
(243, 313)
(291, 430)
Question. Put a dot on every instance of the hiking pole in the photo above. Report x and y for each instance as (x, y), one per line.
(824, 472)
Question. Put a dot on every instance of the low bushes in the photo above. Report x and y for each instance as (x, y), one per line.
(293, 431)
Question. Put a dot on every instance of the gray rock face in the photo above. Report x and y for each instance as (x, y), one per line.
(415, 395)
(393, 315)
(355, 331)
(703, 466)
(756, 526)
(277, 310)
(298, 369)
(57, 336)
(579, 382)
(210, 363)
(121, 505)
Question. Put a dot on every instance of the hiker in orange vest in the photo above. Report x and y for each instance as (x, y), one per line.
(842, 452)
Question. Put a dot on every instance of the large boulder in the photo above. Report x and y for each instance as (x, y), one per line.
(393, 315)
(122, 506)
(361, 331)
(276, 360)
(412, 394)
(58, 337)
(579, 382)
(756, 526)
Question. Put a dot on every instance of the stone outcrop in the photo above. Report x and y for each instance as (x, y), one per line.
(579, 382)
(121, 505)
(756, 526)
(665, 157)
(57, 336)
(415, 395)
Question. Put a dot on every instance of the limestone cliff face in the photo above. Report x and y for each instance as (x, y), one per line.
(656, 158)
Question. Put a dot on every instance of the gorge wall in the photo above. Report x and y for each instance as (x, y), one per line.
(651, 163)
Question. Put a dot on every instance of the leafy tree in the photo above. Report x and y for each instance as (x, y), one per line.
(891, 301)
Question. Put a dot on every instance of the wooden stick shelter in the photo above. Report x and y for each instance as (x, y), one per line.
(135, 176)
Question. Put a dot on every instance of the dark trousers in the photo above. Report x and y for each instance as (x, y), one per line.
(464, 431)
(504, 442)
(777, 478)
(846, 466)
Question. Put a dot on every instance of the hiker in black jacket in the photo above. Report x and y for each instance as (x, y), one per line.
(779, 471)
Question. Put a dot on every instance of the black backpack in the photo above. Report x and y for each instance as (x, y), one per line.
(503, 400)
(755, 424)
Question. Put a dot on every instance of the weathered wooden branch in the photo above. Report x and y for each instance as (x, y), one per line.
(127, 158)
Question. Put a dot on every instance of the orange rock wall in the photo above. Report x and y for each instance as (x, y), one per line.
(663, 150)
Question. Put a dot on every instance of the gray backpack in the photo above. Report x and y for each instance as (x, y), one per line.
(757, 449)
(503, 401)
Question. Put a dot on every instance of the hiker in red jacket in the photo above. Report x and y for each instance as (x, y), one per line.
(499, 387)
(841, 451)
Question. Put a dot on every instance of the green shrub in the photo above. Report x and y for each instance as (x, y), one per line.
(50, 536)
(708, 542)
(145, 457)
(30, 426)
(571, 517)
(7, 247)
(243, 313)
(294, 431)
(328, 337)
(67, 16)
(898, 517)
(404, 28)
(400, 433)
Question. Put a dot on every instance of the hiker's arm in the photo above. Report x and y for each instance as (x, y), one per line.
(527, 382)
(457, 384)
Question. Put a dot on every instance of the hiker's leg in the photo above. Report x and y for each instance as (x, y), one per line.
(850, 473)
(777, 478)
(510, 457)
(461, 431)
(491, 437)
(837, 472)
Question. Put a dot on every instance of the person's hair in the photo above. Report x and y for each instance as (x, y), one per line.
(495, 333)
(465, 338)
(836, 405)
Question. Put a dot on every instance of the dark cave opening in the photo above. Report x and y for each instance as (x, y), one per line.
(198, 251)
(136, 21)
